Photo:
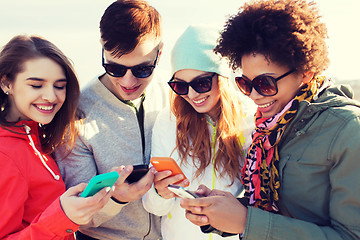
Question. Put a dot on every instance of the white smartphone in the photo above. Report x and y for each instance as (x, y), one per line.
(182, 192)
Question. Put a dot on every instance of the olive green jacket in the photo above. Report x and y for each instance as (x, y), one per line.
(319, 174)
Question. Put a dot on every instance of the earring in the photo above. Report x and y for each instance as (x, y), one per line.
(7, 93)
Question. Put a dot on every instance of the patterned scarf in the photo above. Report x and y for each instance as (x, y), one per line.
(260, 174)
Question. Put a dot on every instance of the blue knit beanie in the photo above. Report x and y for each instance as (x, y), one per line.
(194, 50)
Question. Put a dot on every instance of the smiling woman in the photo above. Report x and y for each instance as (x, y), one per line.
(38, 91)
(301, 170)
(38, 99)
(35, 72)
(206, 130)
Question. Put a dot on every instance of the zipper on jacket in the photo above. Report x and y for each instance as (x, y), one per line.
(27, 129)
(140, 118)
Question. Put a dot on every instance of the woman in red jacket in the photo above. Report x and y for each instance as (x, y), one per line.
(38, 101)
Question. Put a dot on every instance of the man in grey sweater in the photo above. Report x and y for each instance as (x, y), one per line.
(117, 119)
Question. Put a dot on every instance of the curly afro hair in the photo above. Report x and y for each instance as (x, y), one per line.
(287, 32)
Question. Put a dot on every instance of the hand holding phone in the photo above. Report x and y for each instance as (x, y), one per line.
(167, 163)
(182, 192)
(138, 172)
(99, 182)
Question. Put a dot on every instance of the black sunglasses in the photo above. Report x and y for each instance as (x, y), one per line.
(200, 85)
(264, 84)
(118, 70)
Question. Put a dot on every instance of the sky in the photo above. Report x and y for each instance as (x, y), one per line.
(73, 25)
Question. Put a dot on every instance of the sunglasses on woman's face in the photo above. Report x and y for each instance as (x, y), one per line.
(264, 84)
(139, 71)
(199, 84)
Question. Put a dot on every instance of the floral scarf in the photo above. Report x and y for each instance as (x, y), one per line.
(260, 174)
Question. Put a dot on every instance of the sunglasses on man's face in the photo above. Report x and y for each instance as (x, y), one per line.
(199, 84)
(264, 84)
(118, 70)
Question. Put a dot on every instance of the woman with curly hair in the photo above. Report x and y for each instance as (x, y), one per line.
(205, 130)
(301, 175)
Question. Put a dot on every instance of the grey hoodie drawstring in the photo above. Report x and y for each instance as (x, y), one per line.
(27, 129)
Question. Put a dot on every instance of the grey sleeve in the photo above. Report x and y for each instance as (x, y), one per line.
(79, 166)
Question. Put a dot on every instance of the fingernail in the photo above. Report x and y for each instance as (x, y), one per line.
(108, 189)
(127, 168)
(113, 188)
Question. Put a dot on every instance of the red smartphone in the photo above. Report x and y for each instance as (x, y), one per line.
(167, 163)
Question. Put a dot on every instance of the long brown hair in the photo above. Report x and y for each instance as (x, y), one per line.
(193, 137)
(14, 54)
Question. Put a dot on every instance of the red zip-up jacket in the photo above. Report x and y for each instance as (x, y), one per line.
(30, 187)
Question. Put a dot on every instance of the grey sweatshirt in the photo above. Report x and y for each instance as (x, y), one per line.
(110, 136)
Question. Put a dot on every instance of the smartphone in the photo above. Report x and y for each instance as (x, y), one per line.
(167, 163)
(138, 172)
(99, 182)
(182, 192)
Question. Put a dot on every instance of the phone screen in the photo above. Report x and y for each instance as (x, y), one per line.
(182, 192)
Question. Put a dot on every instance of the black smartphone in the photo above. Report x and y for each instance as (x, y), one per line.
(138, 172)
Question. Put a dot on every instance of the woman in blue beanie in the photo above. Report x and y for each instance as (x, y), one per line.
(206, 130)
